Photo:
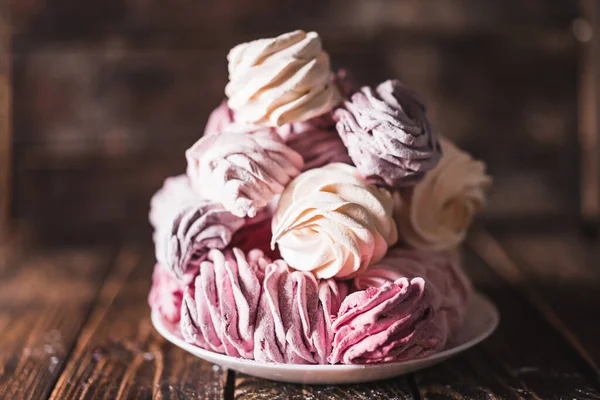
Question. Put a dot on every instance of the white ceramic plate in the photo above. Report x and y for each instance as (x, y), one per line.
(482, 319)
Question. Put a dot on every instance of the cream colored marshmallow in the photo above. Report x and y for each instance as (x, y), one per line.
(330, 222)
(437, 212)
(280, 80)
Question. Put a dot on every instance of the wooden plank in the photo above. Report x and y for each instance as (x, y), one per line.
(248, 387)
(119, 354)
(237, 20)
(45, 298)
(5, 119)
(525, 358)
(587, 31)
(559, 272)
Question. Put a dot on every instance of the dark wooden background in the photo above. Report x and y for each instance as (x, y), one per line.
(108, 94)
(99, 99)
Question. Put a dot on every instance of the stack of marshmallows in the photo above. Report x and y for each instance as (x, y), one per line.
(317, 222)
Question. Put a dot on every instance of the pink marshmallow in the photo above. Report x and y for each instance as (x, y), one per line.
(166, 293)
(441, 271)
(187, 226)
(242, 172)
(406, 307)
(388, 323)
(255, 235)
(219, 310)
(294, 316)
(316, 140)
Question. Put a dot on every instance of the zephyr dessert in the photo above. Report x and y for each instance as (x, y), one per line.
(318, 221)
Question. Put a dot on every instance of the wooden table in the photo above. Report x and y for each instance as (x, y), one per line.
(75, 324)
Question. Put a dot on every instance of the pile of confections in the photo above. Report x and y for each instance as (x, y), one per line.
(318, 222)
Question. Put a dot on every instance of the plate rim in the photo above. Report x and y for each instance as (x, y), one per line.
(161, 327)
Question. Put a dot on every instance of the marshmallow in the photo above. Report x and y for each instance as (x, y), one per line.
(187, 226)
(333, 224)
(388, 135)
(243, 172)
(280, 80)
(437, 212)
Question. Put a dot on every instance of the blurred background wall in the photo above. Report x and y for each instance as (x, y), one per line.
(107, 95)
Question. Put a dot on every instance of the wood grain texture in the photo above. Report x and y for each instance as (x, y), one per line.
(52, 345)
(119, 355)
(525, 358)
(97, 209)
(251, 388)
(59, 20)
(587, 31)
(44, 300)
(5, 120)
(559, 273)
